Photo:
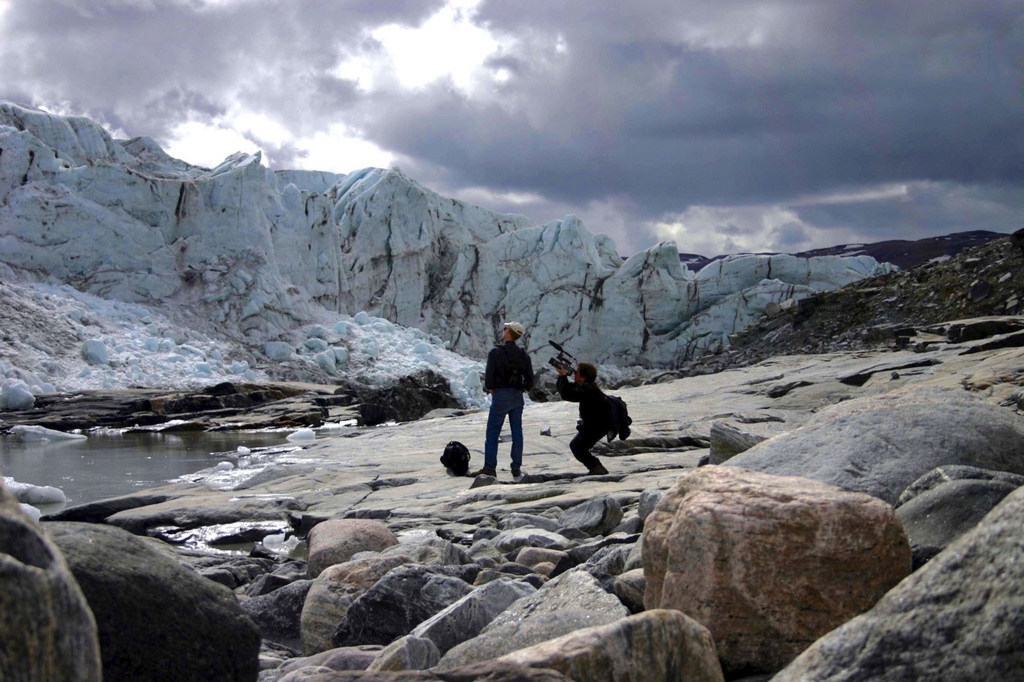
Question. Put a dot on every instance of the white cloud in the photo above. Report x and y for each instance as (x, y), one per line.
(448, 45)
(207, 144)
(340, 150)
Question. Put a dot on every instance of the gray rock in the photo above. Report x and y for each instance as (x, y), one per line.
(47, 631)
(520, 520)
(279, 613)
(489, 670)
(629, 588)
(570, 602)
(630, 525)
(397, 603)
(959, 618)
(431, 551)
(636, 557)
(331, 595)
(342, 658)
(938, 516)
(406, 653)
(510, 637)
(156, 619)
(531, 556)
(584, 552)
(881, 444)
(648, 501)
(593, 517)
(412, 397)
(486, 533)
(573, 589)
(729, 439)
(511, 540)
(653, 646)
(467, 617)
(610, 560)
(945, 474)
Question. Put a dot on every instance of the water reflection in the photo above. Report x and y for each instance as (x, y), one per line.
(111, 464)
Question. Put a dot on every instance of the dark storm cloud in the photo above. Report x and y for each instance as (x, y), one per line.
(675, 108)
(629, 114)
(147, 65)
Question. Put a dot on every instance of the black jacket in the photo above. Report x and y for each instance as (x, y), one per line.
(595, 412)
(508, 366)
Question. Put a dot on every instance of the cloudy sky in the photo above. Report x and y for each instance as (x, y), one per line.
(725, 125)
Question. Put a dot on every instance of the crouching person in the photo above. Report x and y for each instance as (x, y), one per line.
(595, 413)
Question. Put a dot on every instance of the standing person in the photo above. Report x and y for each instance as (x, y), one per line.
(595, 413)
(509, 374)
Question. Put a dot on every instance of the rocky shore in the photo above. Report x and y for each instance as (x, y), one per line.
(795, 518)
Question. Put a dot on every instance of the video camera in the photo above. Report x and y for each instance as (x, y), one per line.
(563, 360)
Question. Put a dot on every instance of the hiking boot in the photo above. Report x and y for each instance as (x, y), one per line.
(485, 471)
(597, 470)
(517, 473)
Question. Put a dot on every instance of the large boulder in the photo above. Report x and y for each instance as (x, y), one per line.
(398, 602)
(649, 647)
(936, 517)
(960, 618)
(331, 595)
(335, 541)
(156, 619)
(596, 516)
(572, 601)
(468, 616)
(47, 631)
(768, 563)
(409, 399)
(881, 444)
(278, 614)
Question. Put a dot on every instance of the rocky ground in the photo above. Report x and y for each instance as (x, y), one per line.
(862, 480)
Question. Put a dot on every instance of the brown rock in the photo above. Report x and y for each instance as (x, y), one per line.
(335, 541)
(769, 563)
(332, 594)
(531, 556)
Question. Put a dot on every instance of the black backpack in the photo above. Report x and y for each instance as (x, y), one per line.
(515, 366)
(456, 458)
(620, 418)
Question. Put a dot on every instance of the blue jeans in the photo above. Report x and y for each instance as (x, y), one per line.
(504, 401)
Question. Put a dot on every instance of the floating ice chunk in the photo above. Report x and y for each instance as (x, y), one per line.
(278, 544)
(31, 511)
(343, 328)
(242, 450)
(224, 466)
(34, 494)
(340, 355)
(16, 395)
(94, 352)
(362, 318)
(41, 433)
(301, 434)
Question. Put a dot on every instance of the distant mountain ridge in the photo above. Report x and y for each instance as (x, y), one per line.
(903, 253)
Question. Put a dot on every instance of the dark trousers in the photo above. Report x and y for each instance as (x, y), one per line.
(581, 444)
